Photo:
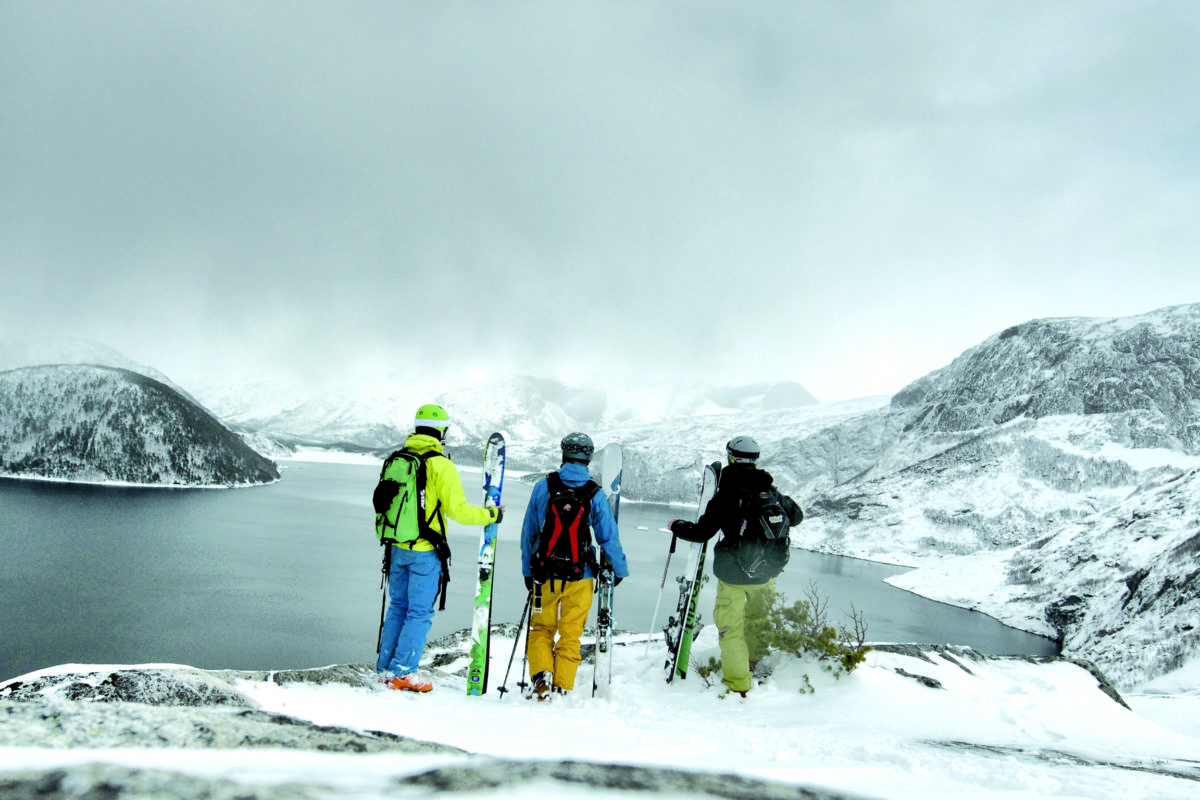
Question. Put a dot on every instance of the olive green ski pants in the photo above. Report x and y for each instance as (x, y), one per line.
(735, 604)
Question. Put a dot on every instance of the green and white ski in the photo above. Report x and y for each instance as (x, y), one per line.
(481, 624)
(680, 628)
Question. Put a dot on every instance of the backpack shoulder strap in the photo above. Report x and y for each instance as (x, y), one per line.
(440, 545)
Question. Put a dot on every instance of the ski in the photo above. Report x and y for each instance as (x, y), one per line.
(608, 475)
(680, 628)
(481, 625)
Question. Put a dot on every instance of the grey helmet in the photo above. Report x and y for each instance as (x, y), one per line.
(577, 447)
(742, 450)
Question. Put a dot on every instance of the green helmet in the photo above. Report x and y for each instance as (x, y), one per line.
(577, 447)
(431, 415)
(742, 450)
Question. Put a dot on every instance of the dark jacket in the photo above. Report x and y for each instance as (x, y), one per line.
(723, 513)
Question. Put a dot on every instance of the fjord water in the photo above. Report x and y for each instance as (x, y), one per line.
(288, 576)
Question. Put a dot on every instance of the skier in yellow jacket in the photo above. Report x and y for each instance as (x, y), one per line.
(417, 569)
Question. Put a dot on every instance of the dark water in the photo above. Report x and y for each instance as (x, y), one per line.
(287, 576)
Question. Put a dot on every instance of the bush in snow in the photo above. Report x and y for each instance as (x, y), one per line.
(802, 629)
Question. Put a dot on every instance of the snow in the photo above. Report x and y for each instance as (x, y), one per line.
(997, 728)
(324, 456)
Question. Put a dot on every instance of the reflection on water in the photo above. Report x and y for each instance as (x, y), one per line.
(287, 576)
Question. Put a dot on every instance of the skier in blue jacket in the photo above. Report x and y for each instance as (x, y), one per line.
(561, 606)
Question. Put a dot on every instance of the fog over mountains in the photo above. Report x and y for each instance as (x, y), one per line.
(527, 408)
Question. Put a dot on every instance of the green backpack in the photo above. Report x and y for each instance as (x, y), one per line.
(399, 498)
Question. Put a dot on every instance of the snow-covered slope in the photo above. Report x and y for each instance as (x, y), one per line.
(1120, 587)
(1145, 367)
(911, 723)
(100, 424)
(17, 352)
(1041, 424)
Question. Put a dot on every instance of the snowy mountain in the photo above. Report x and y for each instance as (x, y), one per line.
(17, 352)
(1040, 425)
(801, 447)
(101, 424)
(379, 416)
(911, 723)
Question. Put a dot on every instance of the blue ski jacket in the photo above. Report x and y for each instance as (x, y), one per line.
(604, 527)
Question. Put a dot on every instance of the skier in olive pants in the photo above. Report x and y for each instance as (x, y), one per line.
(743, 586)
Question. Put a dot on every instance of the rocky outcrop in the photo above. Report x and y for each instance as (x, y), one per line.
(1146, 368)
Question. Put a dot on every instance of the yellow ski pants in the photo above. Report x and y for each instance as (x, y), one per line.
(563, 612)
(735, 604)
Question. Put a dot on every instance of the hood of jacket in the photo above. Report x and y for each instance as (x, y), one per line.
(422, 443)
(574, 474)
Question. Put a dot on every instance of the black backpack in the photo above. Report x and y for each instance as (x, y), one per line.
(762, 548)
(564, 547)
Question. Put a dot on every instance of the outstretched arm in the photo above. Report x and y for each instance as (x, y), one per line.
(445, 485)
(704, 528)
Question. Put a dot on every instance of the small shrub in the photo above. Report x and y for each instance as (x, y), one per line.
(803, 630)
(710, 673)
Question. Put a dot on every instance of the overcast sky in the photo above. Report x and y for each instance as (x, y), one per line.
(846, 194)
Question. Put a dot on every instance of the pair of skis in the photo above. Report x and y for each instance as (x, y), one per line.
(608, 470)
(681, 627)
(609, 473)
(481, 621)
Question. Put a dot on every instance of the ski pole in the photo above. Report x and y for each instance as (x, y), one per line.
(520, 626)
(387, 568)
(661, 587)
(536, 607)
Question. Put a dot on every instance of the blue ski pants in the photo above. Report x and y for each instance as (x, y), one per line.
(412, 589)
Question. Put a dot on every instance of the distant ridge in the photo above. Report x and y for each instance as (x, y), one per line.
(110, 425)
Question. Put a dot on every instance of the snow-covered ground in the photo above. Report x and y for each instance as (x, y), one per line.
(907, 724)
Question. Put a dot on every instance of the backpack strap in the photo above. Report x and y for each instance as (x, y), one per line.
(426, 531)
(584, 494)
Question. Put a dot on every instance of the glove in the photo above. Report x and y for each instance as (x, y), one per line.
(528, 584)
(499, 514)
(617, 582)
(385, 492)
(672, 523)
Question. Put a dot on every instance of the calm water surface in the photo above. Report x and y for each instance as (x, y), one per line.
(287, 576)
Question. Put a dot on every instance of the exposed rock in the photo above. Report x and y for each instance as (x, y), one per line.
(161, 687)
(924, 680)
(564, 776)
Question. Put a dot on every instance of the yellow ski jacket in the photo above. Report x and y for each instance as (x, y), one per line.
(444, 496)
